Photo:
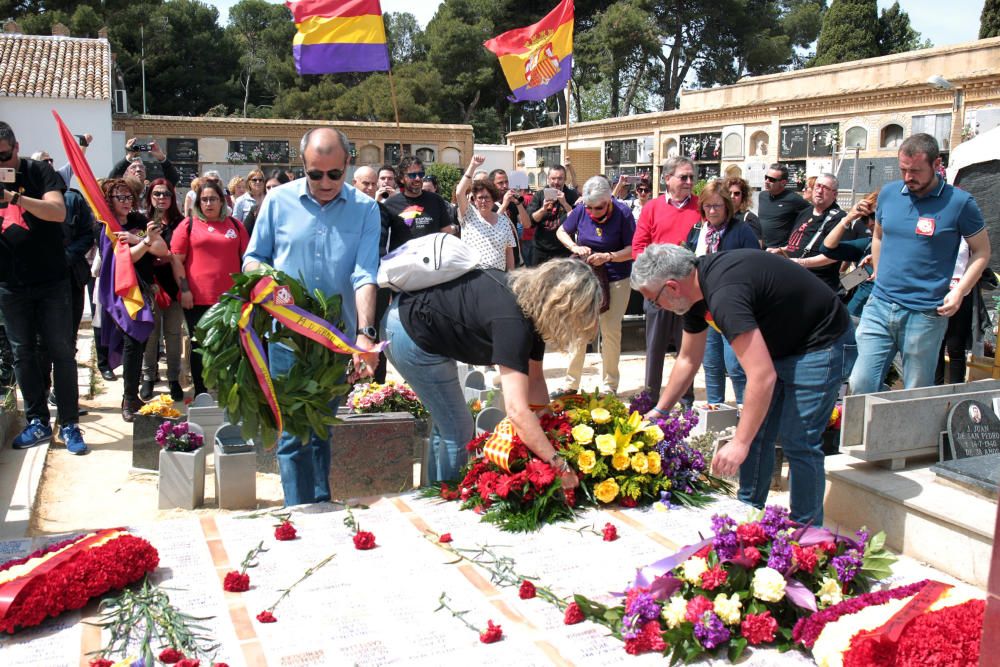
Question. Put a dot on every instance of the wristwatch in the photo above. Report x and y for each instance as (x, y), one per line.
(369, 332)
(14, 198)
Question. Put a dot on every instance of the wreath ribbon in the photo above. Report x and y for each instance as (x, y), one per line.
(264, 295)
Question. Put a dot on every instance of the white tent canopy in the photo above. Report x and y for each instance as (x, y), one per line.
(983, 148)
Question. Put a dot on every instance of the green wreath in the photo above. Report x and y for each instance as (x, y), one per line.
(303, 395)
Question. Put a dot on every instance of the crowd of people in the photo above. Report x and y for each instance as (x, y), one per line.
(762, 299)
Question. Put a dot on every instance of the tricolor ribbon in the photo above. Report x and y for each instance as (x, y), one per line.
(498, 446)
(265, 295)
(919, 604)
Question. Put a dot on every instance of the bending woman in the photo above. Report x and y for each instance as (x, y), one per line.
(490, 317)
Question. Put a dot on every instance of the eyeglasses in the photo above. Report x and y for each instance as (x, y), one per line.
(685, 177)
(332, 174)
(123, 198)
(820, 186)
(656, 299)
(159, 193)
(209, 200)
(256, 180)
(414, 174)
(713, 207)
(485, 199)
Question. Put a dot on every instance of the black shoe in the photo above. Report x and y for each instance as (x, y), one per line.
(176, 391)
(146, 390)
(82, 412)
(108, 374)
(130, 408)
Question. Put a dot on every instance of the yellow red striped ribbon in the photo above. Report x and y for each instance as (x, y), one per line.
(498, 446)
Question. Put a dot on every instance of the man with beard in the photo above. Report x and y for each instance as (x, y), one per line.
(811, 228)
(548, 210)
(415, 212)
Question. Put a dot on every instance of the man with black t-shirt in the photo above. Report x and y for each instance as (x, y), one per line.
(547, 211)
(811, 228)
(415, 212)
(793, 338)
(778, 207)
(35, 292)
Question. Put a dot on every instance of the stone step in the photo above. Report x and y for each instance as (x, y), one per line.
(945, 526)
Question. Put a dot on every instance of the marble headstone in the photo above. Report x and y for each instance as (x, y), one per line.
(973, 430)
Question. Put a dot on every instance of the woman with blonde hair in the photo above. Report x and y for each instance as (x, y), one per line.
(252, 197)
(490, 317)
(237, 188)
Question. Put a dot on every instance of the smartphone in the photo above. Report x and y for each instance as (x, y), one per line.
(632, 180)
(82, 139)
(551, 193)
(852, 279)
(8, 174)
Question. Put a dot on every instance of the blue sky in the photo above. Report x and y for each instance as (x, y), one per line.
(949, 22)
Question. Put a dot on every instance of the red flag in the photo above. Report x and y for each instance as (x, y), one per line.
(126, 283)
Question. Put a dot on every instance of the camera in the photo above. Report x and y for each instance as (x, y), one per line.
(142, 148)
(518, 199)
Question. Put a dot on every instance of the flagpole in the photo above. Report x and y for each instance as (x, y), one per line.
(568, 84)
(395, 108)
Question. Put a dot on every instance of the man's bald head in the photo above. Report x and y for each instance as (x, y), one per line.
(324, 141)
(325, 153)
(366, 180)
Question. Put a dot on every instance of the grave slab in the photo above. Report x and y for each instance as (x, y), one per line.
(973, 430)
(977, 473)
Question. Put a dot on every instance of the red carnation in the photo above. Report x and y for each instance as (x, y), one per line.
(236, 582)
(527, 590)
(170, 655)
(466, 492)
(220, 664)
(286, 531)
(829, 547)
(449, 494)
(573, 614)
(100, 662)
(751, 534)
(189, 662)
(266, 617)
(445, 538)
(570, 496)
(703, 552)
(493, 633)
(713, 577)
(649, 639)
(610, 533)
(758, 628)
(628, 501)
(696, 608)
(753, 555)
(806, 558)
(364, 540)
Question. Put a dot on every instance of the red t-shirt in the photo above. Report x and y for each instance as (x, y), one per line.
(662, 222)
(213, 252)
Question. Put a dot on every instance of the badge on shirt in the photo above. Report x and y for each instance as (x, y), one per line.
(230, 233)
(925, 226)
(283, 296)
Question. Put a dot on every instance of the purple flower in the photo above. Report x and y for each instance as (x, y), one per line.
(775, 520)
(644, 605)
(641, 403)
(862, 536)
(781, 553)
(711, 631)
(847, 565)
(726, 542)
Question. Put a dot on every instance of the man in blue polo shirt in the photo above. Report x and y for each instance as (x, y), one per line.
(327, 232)
(920, 222)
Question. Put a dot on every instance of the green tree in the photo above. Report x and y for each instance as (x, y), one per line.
(850, 32)
(989, 20)
(85, 22)
(448, 176)
(404, 37)
(896, 34)
(255, 26)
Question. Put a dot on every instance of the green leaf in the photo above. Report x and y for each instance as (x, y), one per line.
(736, 648)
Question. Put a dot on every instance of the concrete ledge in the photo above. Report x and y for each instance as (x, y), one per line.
(947, 527)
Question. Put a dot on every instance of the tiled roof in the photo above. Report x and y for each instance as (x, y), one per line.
(56, 67)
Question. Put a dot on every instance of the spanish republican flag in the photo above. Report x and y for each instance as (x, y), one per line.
(339, 36)
(125, 282)
(537, 60)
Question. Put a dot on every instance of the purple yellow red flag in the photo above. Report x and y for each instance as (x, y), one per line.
(126, 284)
(537, 60)
(339, 36)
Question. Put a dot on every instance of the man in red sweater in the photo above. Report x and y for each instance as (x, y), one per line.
(666, 219)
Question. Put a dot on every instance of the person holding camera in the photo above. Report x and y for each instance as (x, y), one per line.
(387, 183)
(132, 163)
(35, 292)
(548, 210)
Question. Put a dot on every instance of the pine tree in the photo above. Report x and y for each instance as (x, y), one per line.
(896, 34)
(850, 32)
(989, 20)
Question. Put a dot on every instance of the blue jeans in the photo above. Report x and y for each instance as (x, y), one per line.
(720, 360)
(804, 395)
(434, 378)
(43, 315)
(304, 468)
(887, 328)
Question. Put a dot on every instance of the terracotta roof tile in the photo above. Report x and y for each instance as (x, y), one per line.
(58, 67)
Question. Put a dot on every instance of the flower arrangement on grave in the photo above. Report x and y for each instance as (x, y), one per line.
(264, 307)
(236, 157)
(144, 618)
(161, 406)
(68, 574)
(371, 397)
(747, 585)
(619, 458)
(178, 437)
(925, 623)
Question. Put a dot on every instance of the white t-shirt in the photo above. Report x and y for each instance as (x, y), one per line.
(491, 241)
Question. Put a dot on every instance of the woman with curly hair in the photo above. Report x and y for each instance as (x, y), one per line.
(161, 203)
(490, 317)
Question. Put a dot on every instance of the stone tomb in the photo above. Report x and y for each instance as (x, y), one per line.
(891, 427)
(972, 457)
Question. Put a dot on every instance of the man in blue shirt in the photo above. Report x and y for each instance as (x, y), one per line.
(919, 224)
(326, 232)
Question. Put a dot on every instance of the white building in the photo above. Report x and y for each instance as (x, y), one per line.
(70, 75)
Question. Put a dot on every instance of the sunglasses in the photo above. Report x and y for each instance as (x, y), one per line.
(771, 179)
(685, 177)
(158, 193)
(736, 194)
(256, 180)
(415, 174)
(332, 174)
(643, 190)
